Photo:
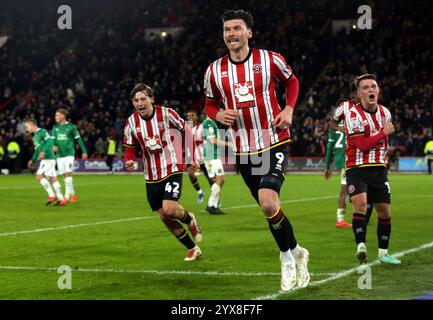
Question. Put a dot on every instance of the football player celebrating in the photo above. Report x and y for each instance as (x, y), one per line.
(153, 128)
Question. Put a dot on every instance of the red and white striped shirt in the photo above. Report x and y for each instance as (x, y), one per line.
(197, 132)
(158, 137)
(249, 87)
(360, 122)
(342, 110)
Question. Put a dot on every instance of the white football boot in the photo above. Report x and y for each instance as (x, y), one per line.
(288, 274)
(302, 274)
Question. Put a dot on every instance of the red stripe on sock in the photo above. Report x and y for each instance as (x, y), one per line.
(277, 218)
(386, 222)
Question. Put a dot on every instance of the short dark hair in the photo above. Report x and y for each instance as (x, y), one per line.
(194, 111)
(238, 14)
(31, 120)
(363, 77)
(141, 87)
(63, 111)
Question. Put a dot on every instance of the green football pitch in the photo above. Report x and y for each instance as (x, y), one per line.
(118, 249)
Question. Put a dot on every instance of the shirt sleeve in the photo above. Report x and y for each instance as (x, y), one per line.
(338, 115)
(77, 137)
(209, 86)
(329, 149)
(279, 68)
(129, 139)
(175, 121)
(354, 125)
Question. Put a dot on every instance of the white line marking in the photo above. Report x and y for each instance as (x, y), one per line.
(343, 274)
(37, 186)
(73, 226)
(137, 218)
(157, 272)
(286, 201)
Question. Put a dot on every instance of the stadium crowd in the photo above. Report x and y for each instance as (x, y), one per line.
(91, 68)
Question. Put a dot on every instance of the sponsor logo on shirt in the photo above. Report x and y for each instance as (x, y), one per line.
(244, 94)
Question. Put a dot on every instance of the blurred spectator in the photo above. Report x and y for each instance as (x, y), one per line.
(111, 153)
(100, 148)
(3, 170)
(14, 156)
(428, 151)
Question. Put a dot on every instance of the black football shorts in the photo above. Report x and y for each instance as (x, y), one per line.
(264, 170)
(166, 189)
(372, 180)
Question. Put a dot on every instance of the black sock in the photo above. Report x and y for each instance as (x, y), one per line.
(359, 227)
(186, 218)
(185, 239)
(369, 211)
(282, 231)
(195, 182)
(383, 232)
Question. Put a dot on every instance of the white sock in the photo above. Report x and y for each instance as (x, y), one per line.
(214, 195)
(69, 187)
(383, 252)
(58, 190)
(296, 251)
(340, 214)
(286, 256)
(361, 245)
(44, 182)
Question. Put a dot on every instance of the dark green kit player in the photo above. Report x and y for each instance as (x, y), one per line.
(43, 143)
(335, 152)
(65, 134)
(213, 163)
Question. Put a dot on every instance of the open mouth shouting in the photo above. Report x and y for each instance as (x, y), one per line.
(233, 41)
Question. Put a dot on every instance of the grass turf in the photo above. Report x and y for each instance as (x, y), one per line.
(235, 244)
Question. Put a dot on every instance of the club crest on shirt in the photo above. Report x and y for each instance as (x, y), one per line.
(257, 68)
(224, 74)
(244, 94)
(161, 125)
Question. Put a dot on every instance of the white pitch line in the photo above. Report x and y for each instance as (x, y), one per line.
(73, 226)
(37, 186)
(343, 274)
(286, 201)
(137, 218)
(157, 272)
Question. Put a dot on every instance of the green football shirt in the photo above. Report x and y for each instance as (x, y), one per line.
(210, 131)
(43, 143)
(64, 138)
(336, 146)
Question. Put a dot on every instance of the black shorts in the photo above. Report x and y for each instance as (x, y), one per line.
(264, 170)
(167, 189)
(371, 180)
